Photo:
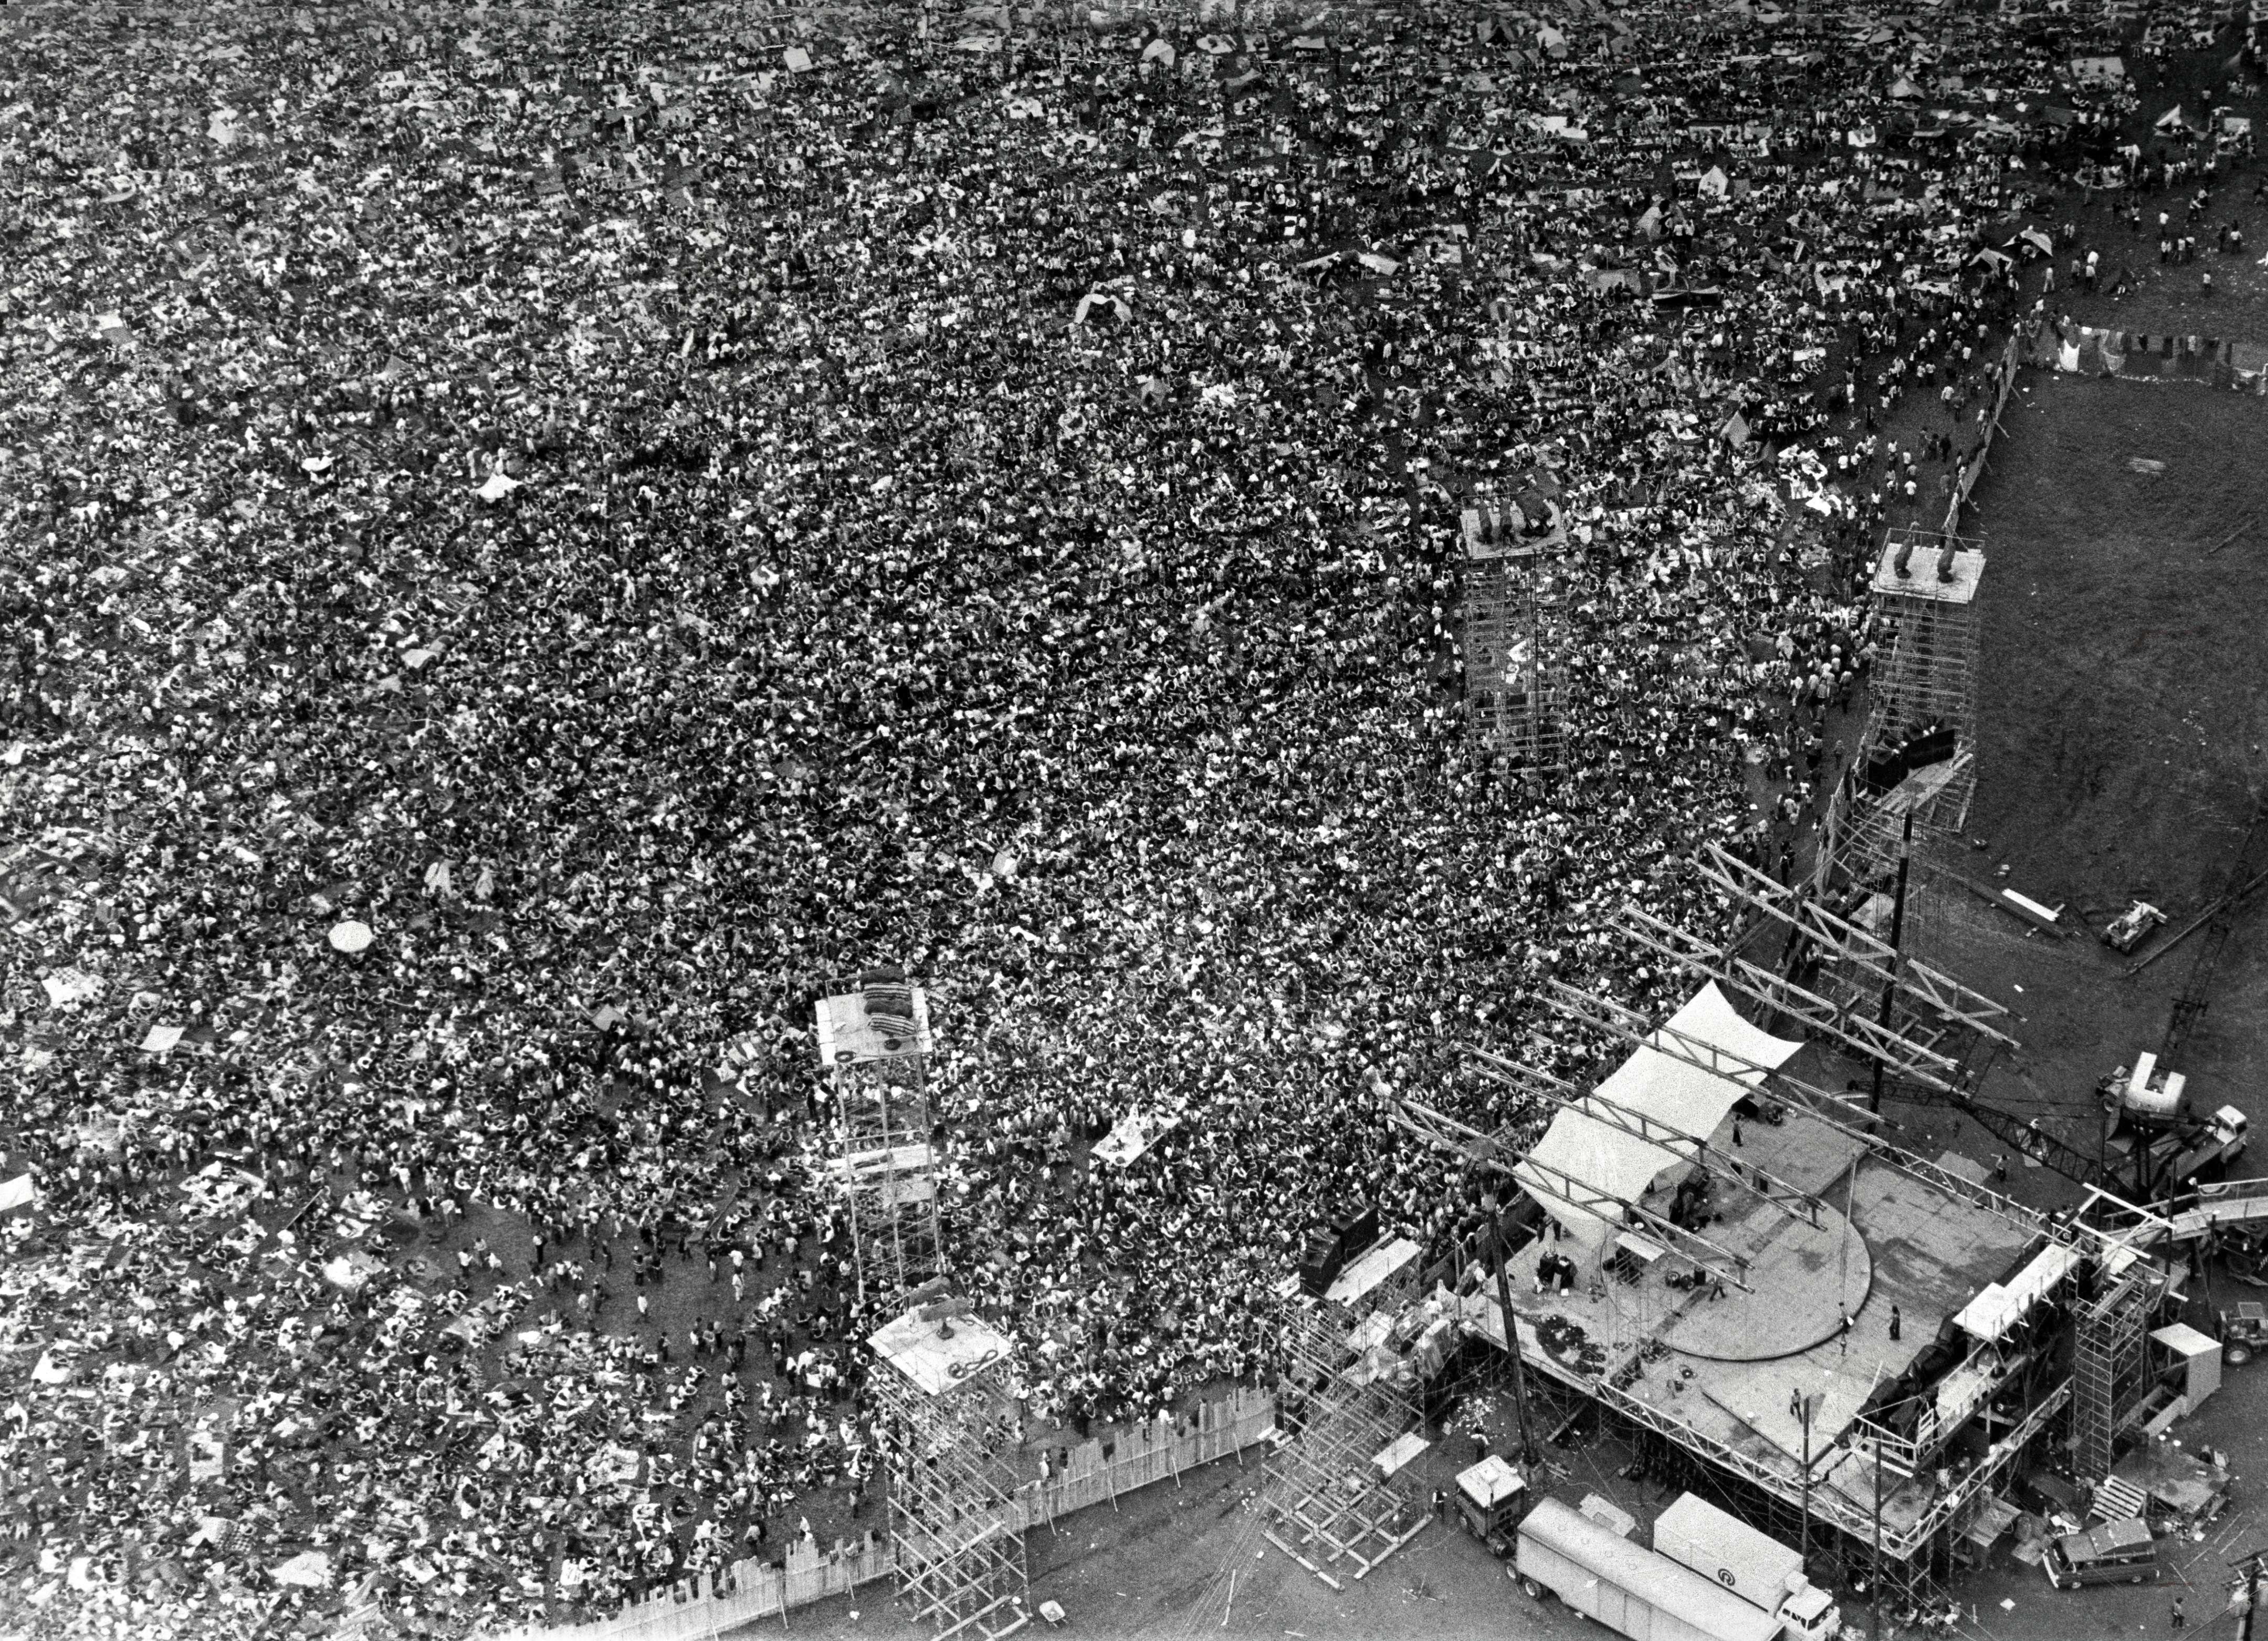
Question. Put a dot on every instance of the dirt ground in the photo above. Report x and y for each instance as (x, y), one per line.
(2123, 720)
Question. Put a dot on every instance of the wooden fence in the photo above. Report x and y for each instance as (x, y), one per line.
(2010, 359)
(1097, 1471)
(1140, 1455)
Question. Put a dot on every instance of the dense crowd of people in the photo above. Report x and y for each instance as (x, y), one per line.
(645, 513)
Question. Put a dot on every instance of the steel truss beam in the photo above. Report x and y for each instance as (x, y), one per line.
(1445, 1132)
(1434, 1127)
(1953, 1003)
(1703, 1056)
(1686, 1147)
(1863, 1037)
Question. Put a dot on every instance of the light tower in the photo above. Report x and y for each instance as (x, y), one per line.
(1515, 625)
(948, 1421)
(874, 1043)
(1918, 753)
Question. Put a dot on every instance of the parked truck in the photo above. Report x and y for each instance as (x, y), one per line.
(1753, 1565)
(1630, 1589)
(2214, 1143)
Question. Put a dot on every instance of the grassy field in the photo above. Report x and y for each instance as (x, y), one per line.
(2123, 717)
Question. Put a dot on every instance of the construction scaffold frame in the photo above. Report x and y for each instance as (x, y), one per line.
(1823, 1016)
(948, 1423)
(2109, 1367)
(1859, 962)
(1446, 1133)
(874, 1043)
(1690, 1147)
(1516, 628)
(1904, 1563)
(1328, 1501)
(1923, 707)
(1938, 997)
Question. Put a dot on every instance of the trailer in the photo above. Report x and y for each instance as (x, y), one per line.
(1628, 1589)
(1753, 1565)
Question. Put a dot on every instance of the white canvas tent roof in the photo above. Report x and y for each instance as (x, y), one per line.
(1620, 1165)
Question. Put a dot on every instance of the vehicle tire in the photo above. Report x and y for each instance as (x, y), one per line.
(1535, 1590)
(2237, 1355)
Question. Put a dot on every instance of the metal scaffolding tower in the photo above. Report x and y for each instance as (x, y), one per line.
(2109, 1370)
(874, 1043)
(1925, 705)
(1516, 628)
(948, 1423)
(1334, 1488)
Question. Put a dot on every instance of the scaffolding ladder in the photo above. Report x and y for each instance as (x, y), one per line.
(874, 1045)
(1327, 1501)
(1515, 636)
(2109, 1369)
(948, 1429)
(1927, 582)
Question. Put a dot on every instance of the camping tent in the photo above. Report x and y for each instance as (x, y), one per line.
(1604, 1159)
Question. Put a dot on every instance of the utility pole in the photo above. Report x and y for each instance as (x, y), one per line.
(1874, 1584)
(2145, 1137)
(1527, 1453)
(1897, 950)
(1803, 1406)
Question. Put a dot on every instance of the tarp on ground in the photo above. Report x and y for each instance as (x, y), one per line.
(1607, 1159)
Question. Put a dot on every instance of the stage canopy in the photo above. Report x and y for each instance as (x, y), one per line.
(1605, 1160)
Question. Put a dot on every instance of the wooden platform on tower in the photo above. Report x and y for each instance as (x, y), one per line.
(948, 1424)
(1918, 753)
(874, 1045)
(1515, 628)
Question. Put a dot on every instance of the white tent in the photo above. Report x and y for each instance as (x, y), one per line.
(1611, 1162)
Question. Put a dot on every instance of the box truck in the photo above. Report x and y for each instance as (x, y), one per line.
(1630, 1589)
(1753, 1565)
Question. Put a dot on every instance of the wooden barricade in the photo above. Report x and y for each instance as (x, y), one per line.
(1143, 1454)
(1097, 1471)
